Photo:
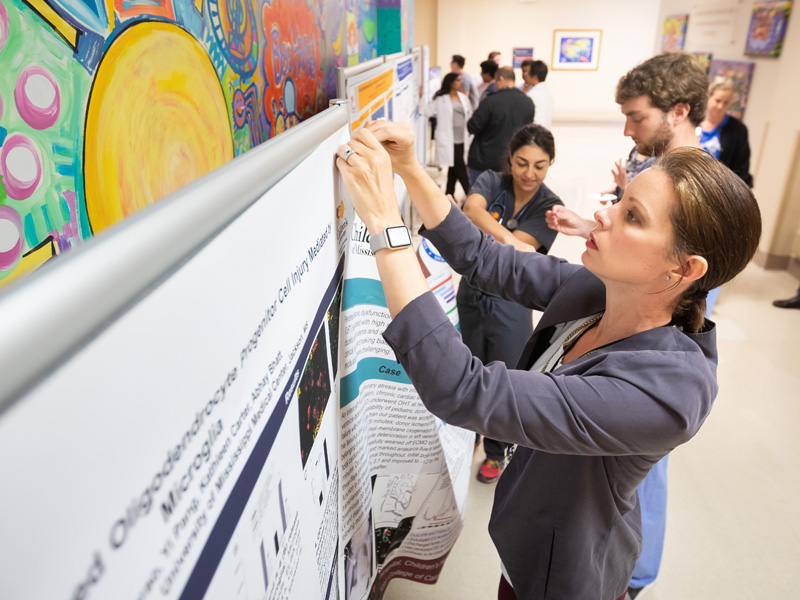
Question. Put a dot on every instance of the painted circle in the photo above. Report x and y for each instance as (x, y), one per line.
(37, 97)
(21, 163)
(10, 237)
(156, 120)
(3, 26)
(21, 166)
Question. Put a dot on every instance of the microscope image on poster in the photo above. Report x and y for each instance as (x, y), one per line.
(396, 508)
(388, 539)
(313, 394)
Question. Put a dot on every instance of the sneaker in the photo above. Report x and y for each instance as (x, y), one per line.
(490, 470)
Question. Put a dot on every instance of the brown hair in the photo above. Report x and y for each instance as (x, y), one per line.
(715, 216)
(506, 73)
(668, 79)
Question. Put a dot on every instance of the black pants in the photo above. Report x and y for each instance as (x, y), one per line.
(493, 329)
(458, 171)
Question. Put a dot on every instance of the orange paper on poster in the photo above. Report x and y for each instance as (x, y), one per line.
(357, 123)
(369, 90)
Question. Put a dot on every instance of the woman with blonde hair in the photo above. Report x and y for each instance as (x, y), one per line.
(723, 135)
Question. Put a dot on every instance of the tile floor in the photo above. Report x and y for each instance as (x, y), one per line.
(733, 529)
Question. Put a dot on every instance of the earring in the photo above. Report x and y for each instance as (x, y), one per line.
(667, 278)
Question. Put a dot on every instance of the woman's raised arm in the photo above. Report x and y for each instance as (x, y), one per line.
(367, 174)
(398, 141)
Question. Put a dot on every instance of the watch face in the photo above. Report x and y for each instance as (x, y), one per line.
(398, 236)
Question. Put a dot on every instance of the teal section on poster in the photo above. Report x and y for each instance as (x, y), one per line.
(370, 368)
(362, 291)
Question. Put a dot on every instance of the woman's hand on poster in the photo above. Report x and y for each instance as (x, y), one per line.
(367, 173)
(398, 140)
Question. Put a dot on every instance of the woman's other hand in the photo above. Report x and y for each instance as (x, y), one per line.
(398, 140)
(568, 222)
(620, 174)
(367, 175)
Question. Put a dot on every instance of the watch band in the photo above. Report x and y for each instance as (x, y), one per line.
(392, 238)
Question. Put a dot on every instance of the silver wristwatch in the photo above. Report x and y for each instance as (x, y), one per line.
(392, 238)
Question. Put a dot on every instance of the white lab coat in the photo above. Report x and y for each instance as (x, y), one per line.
(442, 109)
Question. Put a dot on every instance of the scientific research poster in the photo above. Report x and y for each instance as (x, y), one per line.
(242, 432)
(404, 472)
(191, 450)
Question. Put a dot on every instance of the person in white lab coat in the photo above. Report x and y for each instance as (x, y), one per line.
(534, 73)
(452, 110)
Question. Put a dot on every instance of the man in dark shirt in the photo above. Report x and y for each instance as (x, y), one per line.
(494, 122)
(488, 74)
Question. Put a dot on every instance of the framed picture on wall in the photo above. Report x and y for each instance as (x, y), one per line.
(742, 75)
(704, 58)
(767, 28)
(521, 54)
(576, 49)
(674, 34)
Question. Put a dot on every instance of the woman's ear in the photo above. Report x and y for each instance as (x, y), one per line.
(690, 269)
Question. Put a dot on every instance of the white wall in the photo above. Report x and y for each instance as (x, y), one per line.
(425, 12)
(473, 28)
(765, 71)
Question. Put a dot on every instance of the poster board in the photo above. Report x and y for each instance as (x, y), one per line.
(205, 431)
(187, 445)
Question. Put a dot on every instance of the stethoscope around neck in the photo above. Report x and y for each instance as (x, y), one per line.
(498, 209)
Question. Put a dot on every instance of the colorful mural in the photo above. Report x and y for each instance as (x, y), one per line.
(107, 106)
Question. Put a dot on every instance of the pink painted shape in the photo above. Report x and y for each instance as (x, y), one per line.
(16, 189)
(10, 257)
(3, 26)
(36, 117)
(70, 228)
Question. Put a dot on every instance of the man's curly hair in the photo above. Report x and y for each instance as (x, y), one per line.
(668, 79)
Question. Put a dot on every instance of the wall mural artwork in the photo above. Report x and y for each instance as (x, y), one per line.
(107, 106)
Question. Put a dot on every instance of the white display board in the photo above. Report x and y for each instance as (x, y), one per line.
(191, 449)
(218, 430)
